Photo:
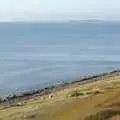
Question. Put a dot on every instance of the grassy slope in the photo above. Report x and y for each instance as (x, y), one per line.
(62, 107)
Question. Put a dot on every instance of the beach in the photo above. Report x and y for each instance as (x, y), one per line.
(93, 98)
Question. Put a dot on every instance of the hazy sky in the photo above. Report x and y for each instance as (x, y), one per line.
(13, 10)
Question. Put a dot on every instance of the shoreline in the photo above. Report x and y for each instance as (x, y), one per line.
(87, 98)
(54, 88)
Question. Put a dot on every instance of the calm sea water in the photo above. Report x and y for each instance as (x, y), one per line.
(35, 55)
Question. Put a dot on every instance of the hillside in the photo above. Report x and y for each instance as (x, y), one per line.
(94, 100)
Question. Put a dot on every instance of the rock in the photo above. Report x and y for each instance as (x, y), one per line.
(21, 104)
(51, 96)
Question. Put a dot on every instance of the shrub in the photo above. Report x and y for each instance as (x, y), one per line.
(98, 92)
(76, 93)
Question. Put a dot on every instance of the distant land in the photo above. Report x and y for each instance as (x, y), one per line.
(93, 21)
(88, 20)
(64, 21)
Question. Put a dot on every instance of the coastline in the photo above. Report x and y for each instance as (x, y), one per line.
(53, 88)
(91, 97)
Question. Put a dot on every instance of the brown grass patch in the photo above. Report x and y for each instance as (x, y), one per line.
(103, 115)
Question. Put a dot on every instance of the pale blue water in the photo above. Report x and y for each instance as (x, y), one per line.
(34, 55)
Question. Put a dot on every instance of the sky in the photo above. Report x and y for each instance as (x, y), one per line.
(56, 10)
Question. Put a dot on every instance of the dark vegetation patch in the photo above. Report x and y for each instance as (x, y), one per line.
(76, 93)
(31, 116)
(103, 115)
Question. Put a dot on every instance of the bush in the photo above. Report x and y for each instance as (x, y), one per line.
(76, 93)
(98, 92)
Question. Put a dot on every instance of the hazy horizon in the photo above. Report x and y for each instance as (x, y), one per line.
(37, 10)
(62, 21)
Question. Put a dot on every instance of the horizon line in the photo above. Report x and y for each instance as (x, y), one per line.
(59, 21)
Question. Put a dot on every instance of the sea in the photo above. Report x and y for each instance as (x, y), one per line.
(35, 55)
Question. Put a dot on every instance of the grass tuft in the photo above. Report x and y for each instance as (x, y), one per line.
(76, 93)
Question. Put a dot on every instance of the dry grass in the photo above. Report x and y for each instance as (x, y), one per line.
(104, 115)
(102, 103)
